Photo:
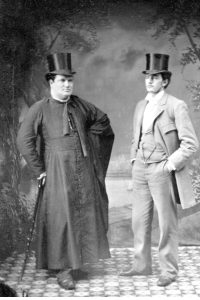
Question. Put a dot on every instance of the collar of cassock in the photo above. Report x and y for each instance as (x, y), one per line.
(68, 101)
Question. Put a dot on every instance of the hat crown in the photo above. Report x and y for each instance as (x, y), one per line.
(59, 63)
(156, 62)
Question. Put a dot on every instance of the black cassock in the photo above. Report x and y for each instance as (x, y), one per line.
(72, 221)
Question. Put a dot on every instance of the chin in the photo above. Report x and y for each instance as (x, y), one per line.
(150, 91)
(67, 95)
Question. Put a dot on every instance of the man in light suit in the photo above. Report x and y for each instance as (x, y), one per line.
(163, 142)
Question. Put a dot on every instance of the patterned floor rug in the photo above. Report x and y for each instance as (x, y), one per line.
(103, 279)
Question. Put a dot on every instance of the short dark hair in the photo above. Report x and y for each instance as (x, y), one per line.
(167, 76)
(50, 76)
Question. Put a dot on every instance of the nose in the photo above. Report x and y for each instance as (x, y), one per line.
(150, 78)
(67, 83)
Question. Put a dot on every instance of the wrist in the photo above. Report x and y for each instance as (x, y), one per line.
(170, 166)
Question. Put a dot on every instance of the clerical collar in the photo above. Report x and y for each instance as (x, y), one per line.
(154, 98)
(62, 101)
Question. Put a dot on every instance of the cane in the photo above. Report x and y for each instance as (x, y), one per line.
(30, 235)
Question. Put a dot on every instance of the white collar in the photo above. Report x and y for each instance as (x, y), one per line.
(60, 100)
(154, 98)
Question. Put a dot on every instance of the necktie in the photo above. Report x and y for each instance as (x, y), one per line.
(65, 120)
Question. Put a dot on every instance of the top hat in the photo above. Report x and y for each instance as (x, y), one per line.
(156, 63)
(60, 64)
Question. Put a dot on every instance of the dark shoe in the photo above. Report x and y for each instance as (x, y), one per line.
(65, 280)
(132, 272)
(53, 273)
(79, 274)
(165, 280)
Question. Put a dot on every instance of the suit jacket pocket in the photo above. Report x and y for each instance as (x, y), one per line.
(168, 127)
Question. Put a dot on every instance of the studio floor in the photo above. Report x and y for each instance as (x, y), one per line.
(103, 279)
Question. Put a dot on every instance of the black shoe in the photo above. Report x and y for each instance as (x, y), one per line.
(165, 280)
(79, 274)
(65, 280)
(53, 273)
(132, 272)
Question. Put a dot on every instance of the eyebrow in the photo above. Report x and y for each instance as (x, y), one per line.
(66, 78)
(152, 75)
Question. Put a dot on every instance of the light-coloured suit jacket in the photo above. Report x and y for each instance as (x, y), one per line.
(173, 130)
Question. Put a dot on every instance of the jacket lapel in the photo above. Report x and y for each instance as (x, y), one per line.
(160, 107)
(140, 113)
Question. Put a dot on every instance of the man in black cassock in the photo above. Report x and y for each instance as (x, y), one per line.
(75, 143)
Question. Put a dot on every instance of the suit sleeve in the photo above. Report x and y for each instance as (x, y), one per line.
(27, 139)
(186, 134)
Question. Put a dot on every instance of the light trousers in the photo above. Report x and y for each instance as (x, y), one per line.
(152, 185)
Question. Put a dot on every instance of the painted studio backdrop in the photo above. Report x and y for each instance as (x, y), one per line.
(108, 41)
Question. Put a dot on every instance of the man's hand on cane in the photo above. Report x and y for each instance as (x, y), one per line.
(42, 178)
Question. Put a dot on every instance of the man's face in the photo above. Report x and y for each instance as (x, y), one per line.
(154, 83)
(62, 86)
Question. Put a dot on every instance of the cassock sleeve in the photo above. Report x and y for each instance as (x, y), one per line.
(101, 136)
(27, 139)
(97, 121)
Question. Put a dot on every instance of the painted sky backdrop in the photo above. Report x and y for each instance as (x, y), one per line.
(111, 75)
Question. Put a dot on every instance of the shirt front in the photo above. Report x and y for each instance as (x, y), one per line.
(151, 109)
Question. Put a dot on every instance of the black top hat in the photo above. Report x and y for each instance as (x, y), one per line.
(156, 63)
(60, 64)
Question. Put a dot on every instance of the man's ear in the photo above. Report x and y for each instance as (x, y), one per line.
(165, 82)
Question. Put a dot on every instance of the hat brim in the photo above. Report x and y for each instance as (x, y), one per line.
(62, 72)
(153, 72)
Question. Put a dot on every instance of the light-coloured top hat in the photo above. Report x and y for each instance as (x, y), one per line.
(156, 63)
(60, 64)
